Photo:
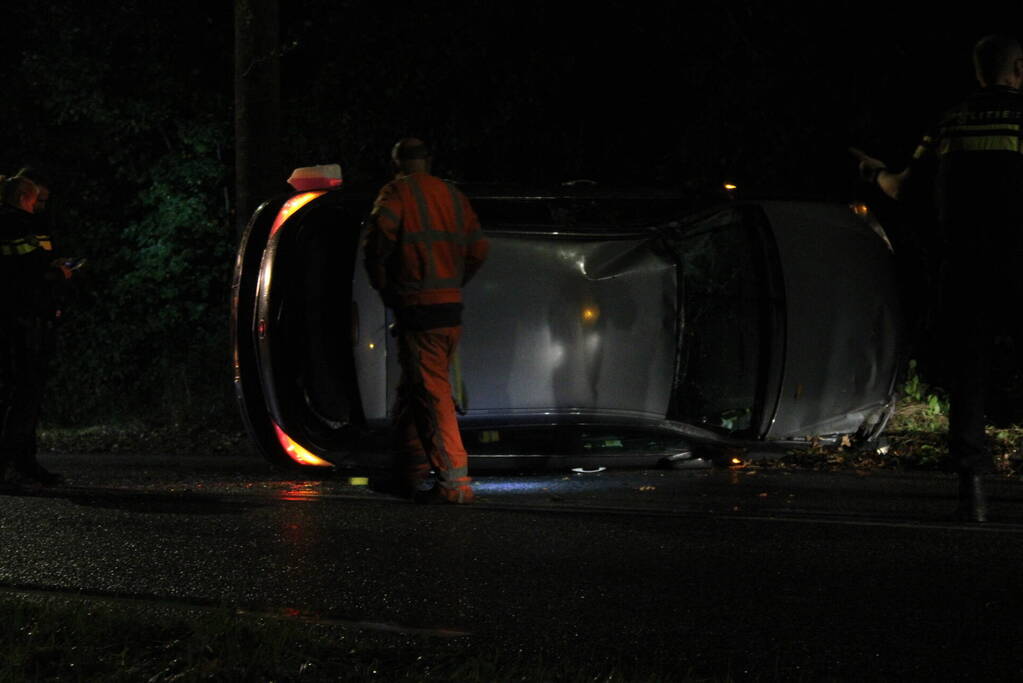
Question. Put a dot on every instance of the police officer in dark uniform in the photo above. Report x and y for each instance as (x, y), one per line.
(977, 148)
(28, 276)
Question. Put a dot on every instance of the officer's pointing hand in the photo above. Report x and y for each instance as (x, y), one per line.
(869, 166)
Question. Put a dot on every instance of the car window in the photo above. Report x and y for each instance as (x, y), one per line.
(725, 300)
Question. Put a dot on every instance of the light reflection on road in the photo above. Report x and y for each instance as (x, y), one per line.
(301, 490)
(545, 484)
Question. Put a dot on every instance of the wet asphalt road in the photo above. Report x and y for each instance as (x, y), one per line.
(763, 574)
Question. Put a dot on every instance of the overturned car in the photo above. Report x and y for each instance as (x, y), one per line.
(748, 323)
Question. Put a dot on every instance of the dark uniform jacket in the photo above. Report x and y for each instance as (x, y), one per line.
(26, 276)
(978, 148)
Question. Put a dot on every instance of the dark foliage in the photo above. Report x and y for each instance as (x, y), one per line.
(128, 110)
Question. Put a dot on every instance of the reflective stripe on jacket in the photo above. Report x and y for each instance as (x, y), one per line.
(977, 150)
(25, 257)
(24, 245)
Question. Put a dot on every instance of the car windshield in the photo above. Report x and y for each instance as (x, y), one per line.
(725, 307)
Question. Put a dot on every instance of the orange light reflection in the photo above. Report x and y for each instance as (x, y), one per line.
(296, 452)
(860, 209)
(301, 491)
(291, 206)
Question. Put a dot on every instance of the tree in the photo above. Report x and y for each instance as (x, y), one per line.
(257, 104)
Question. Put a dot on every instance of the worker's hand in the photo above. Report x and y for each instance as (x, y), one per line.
(74, 263)
(59, 271)
(869, 166)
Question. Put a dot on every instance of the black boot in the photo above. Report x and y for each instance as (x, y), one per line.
(972, 501)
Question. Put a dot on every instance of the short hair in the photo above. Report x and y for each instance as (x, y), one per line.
(408, 149)
(993, 55)
(16, 187)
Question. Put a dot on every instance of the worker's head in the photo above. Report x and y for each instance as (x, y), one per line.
(37, 178)
(20, 193)
(411, 155)
(998, 60)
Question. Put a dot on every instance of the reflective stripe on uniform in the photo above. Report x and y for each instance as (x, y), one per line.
(25, 245)
(428, 238)
(980, 143)
(426, 226)
(424, 209)
(994, 137)
(453, 474)
(16, 248)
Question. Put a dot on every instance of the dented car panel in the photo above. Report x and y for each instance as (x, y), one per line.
(751, 322)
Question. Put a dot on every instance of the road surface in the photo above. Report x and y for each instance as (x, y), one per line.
(763, 574)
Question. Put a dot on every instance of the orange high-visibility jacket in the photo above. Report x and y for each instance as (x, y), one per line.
(424, 241)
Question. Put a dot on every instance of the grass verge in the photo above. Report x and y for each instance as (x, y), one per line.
(916, 439)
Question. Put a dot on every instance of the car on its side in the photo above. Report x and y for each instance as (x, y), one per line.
(745, 323)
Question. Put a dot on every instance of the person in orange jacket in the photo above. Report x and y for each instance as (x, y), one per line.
(422, 245)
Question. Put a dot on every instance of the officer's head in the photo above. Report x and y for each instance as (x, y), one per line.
(20, 193)
(37, 178)
(411, 155)
(998, 60)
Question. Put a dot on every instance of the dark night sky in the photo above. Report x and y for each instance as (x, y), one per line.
(633, 92)
(640, 92)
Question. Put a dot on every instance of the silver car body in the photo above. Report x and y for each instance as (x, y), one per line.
(751, 322)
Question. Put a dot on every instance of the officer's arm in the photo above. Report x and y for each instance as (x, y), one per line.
(381, 236)
(893, 184)
(873, 171)
(475, 257)
(478, 247)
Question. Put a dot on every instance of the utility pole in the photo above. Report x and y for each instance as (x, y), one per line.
(257, 106)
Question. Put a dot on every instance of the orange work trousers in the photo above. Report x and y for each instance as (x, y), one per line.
(425, 412)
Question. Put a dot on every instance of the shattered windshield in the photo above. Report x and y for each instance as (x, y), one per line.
(724, 311)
